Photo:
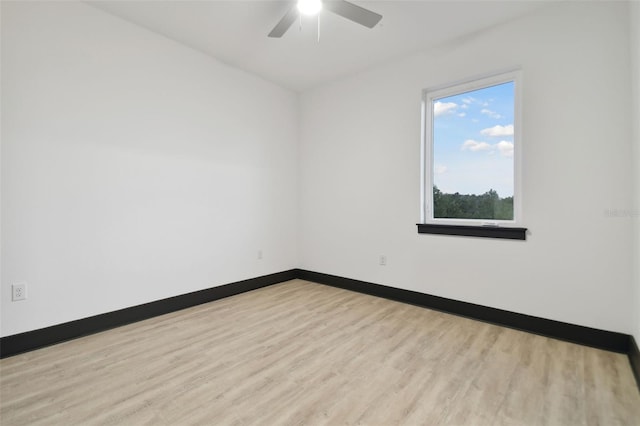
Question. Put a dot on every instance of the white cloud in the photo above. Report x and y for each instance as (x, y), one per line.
(440, 169)
(505, 148)
(474, 146)
(462, 114)
(498, 130)
(490, 113)
(440, 108)
(464, 106)
(468, 100)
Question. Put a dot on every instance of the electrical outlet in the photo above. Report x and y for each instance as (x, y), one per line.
(18, 291)
(383, 260)
(259, 254)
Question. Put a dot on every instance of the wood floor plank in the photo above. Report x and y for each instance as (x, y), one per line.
(299, 353)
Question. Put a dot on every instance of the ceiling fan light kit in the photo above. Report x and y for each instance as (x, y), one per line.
(309, 7)
(342, 8)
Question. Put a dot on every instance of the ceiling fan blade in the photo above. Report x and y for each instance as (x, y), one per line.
(287, 20)
(353, 12)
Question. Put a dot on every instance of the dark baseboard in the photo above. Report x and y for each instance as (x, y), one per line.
(30, 340)
(609, 340)
(634, 359)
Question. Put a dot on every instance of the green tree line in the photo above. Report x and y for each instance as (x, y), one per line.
(470, 206)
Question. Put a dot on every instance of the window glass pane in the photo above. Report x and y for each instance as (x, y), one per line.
(473, 146)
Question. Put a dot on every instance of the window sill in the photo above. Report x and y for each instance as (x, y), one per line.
(474, 231)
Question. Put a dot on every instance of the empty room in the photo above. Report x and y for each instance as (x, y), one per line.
(313, 212)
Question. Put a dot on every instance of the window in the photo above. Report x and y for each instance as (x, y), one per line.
(471, 158)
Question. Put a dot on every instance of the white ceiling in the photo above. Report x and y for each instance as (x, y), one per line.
(235, 32)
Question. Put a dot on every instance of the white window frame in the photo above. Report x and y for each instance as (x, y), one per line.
(427, 169)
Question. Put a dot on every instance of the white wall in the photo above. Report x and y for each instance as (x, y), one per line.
(360, 142)
(133, 168)
(635, 120)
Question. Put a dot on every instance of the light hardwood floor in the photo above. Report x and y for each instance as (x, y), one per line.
(301, 353)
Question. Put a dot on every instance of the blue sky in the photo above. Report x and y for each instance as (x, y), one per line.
(473, 141)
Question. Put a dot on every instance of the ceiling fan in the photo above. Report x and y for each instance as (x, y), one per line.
(343, 8)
